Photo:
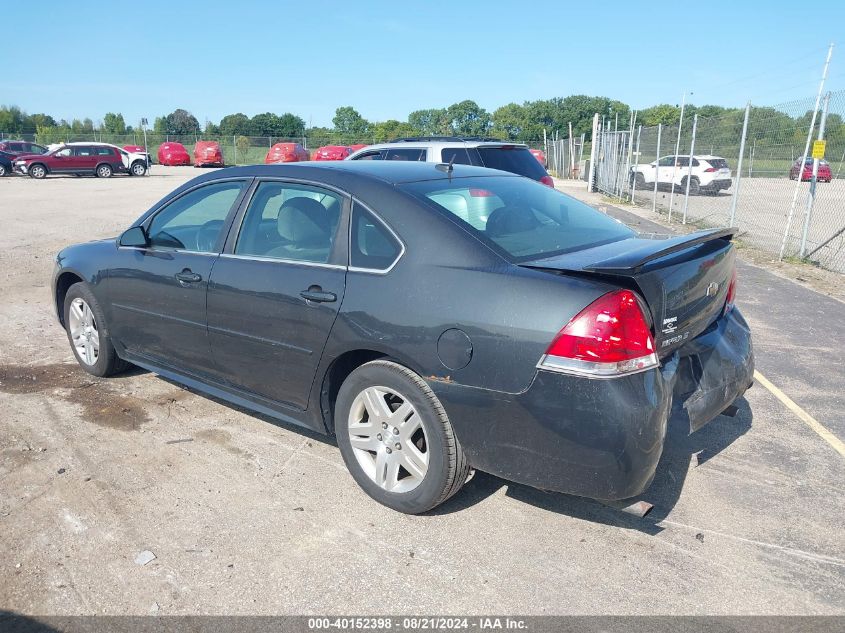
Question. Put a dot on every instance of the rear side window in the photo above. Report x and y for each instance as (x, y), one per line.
(104, 151)
(405, 154)
(517, 160)
(373, 246)
(718, 163)
(84, 151)
(456, 156)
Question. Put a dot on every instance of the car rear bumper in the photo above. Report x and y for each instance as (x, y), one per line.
(600, 438)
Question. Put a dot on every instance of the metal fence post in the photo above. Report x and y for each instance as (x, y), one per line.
(677, 149)
(739, 163)
(689, 166)
(636, 164)
(591, 185)
(656, 169)
(811, 199)
(804, 156)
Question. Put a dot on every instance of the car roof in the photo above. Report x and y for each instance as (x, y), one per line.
(390, 172)
(435, 142)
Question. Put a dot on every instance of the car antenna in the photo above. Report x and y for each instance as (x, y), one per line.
(447, 168)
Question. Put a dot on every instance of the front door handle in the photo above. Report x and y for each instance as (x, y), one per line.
(187, 276)
(316, 294)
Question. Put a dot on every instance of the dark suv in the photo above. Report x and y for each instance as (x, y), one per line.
(97, 159)
(19, 148)
(483, 152)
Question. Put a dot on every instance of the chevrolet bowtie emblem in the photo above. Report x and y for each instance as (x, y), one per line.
(712, 289)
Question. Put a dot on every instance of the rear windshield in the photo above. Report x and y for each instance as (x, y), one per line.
(517, 160)
(718, 163)
(520, 219)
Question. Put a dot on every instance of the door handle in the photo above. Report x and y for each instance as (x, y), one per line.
(188, 277)
(316, 294)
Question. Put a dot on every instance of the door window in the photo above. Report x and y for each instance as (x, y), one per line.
(104, 151)
(290, 221)
(667, 161)
(194, 221)
(83, 151)
(456, 156)
(374, 155)
(405, 154)
(65, 152)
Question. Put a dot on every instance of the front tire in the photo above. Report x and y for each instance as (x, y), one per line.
(104, 171)
(86, 330)
(694, 186)
(37, 171)
(396, 439)
(3, 171)
(138, 168)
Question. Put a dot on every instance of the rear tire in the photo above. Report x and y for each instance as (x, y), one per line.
(88, 334)
(104, 171)
(396, 439)
(694, 186)
(2, 170)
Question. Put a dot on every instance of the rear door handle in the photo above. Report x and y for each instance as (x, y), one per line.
(187, 276)
(318, 295)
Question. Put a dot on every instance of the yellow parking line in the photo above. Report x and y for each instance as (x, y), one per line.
(805, 417)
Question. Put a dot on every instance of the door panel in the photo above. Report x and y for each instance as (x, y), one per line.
(265, 336)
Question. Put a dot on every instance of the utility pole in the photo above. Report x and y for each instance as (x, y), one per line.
(811, 199)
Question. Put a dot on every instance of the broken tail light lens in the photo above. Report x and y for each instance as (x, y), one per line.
(610, 337)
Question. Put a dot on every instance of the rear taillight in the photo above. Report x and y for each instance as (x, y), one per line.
(610, 337)
(547, 180)
(731, 297)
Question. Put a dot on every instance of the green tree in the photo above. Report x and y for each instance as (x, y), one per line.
(269, 124)
(181, 122)
(508, 122)
(114, 123)
(431, 122)
(663, 113)
(391, 129)
(41, 120)
(211, 129)
(349, 124)
(11, 120)
(467, 118)
(160, 125)
(232, 124)
(242, 144)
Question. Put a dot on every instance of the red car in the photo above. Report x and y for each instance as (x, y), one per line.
(97, 159)
(824, 174)
(208, 154)
(21, 148)
(286, 153)
(332, 152)
(540, 155)
(173, 154)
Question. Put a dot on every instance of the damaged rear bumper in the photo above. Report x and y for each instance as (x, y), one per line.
(600, 438)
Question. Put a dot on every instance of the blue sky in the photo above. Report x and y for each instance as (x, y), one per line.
(389, 58)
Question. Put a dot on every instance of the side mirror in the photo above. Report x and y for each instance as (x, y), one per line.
(136, 236)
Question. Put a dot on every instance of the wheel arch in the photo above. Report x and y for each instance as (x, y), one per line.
(63, 283)
(339, 369)
(104, 162)
(33, 164)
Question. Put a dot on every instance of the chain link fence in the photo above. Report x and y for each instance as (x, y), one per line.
(746, 172)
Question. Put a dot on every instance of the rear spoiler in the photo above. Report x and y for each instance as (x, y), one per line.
(633, 260)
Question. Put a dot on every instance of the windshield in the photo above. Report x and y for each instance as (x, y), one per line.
(520, 218)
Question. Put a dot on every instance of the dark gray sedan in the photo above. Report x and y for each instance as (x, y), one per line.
(434, 319)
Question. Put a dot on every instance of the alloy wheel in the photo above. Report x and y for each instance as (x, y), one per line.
(388, 439)
(83, 332)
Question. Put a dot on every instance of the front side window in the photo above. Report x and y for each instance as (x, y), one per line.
(65, 152)
(373, 246)
(667, 161)
(290, 221)
(194, 221)
(374, 155)
(519, 218)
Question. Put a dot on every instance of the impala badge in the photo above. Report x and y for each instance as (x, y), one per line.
(712, 289)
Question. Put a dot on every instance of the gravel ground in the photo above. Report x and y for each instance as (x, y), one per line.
(248, 516)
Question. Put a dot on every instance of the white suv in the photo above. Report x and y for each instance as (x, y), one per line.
(709, 174)
(512, 157)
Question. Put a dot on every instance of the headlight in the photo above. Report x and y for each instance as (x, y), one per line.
(20, 162)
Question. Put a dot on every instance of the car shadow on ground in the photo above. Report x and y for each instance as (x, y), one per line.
(682, 452)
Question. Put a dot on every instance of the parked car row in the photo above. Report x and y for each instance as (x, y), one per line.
(98, 159)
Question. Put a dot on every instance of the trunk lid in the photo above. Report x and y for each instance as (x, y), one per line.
(683, 280)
